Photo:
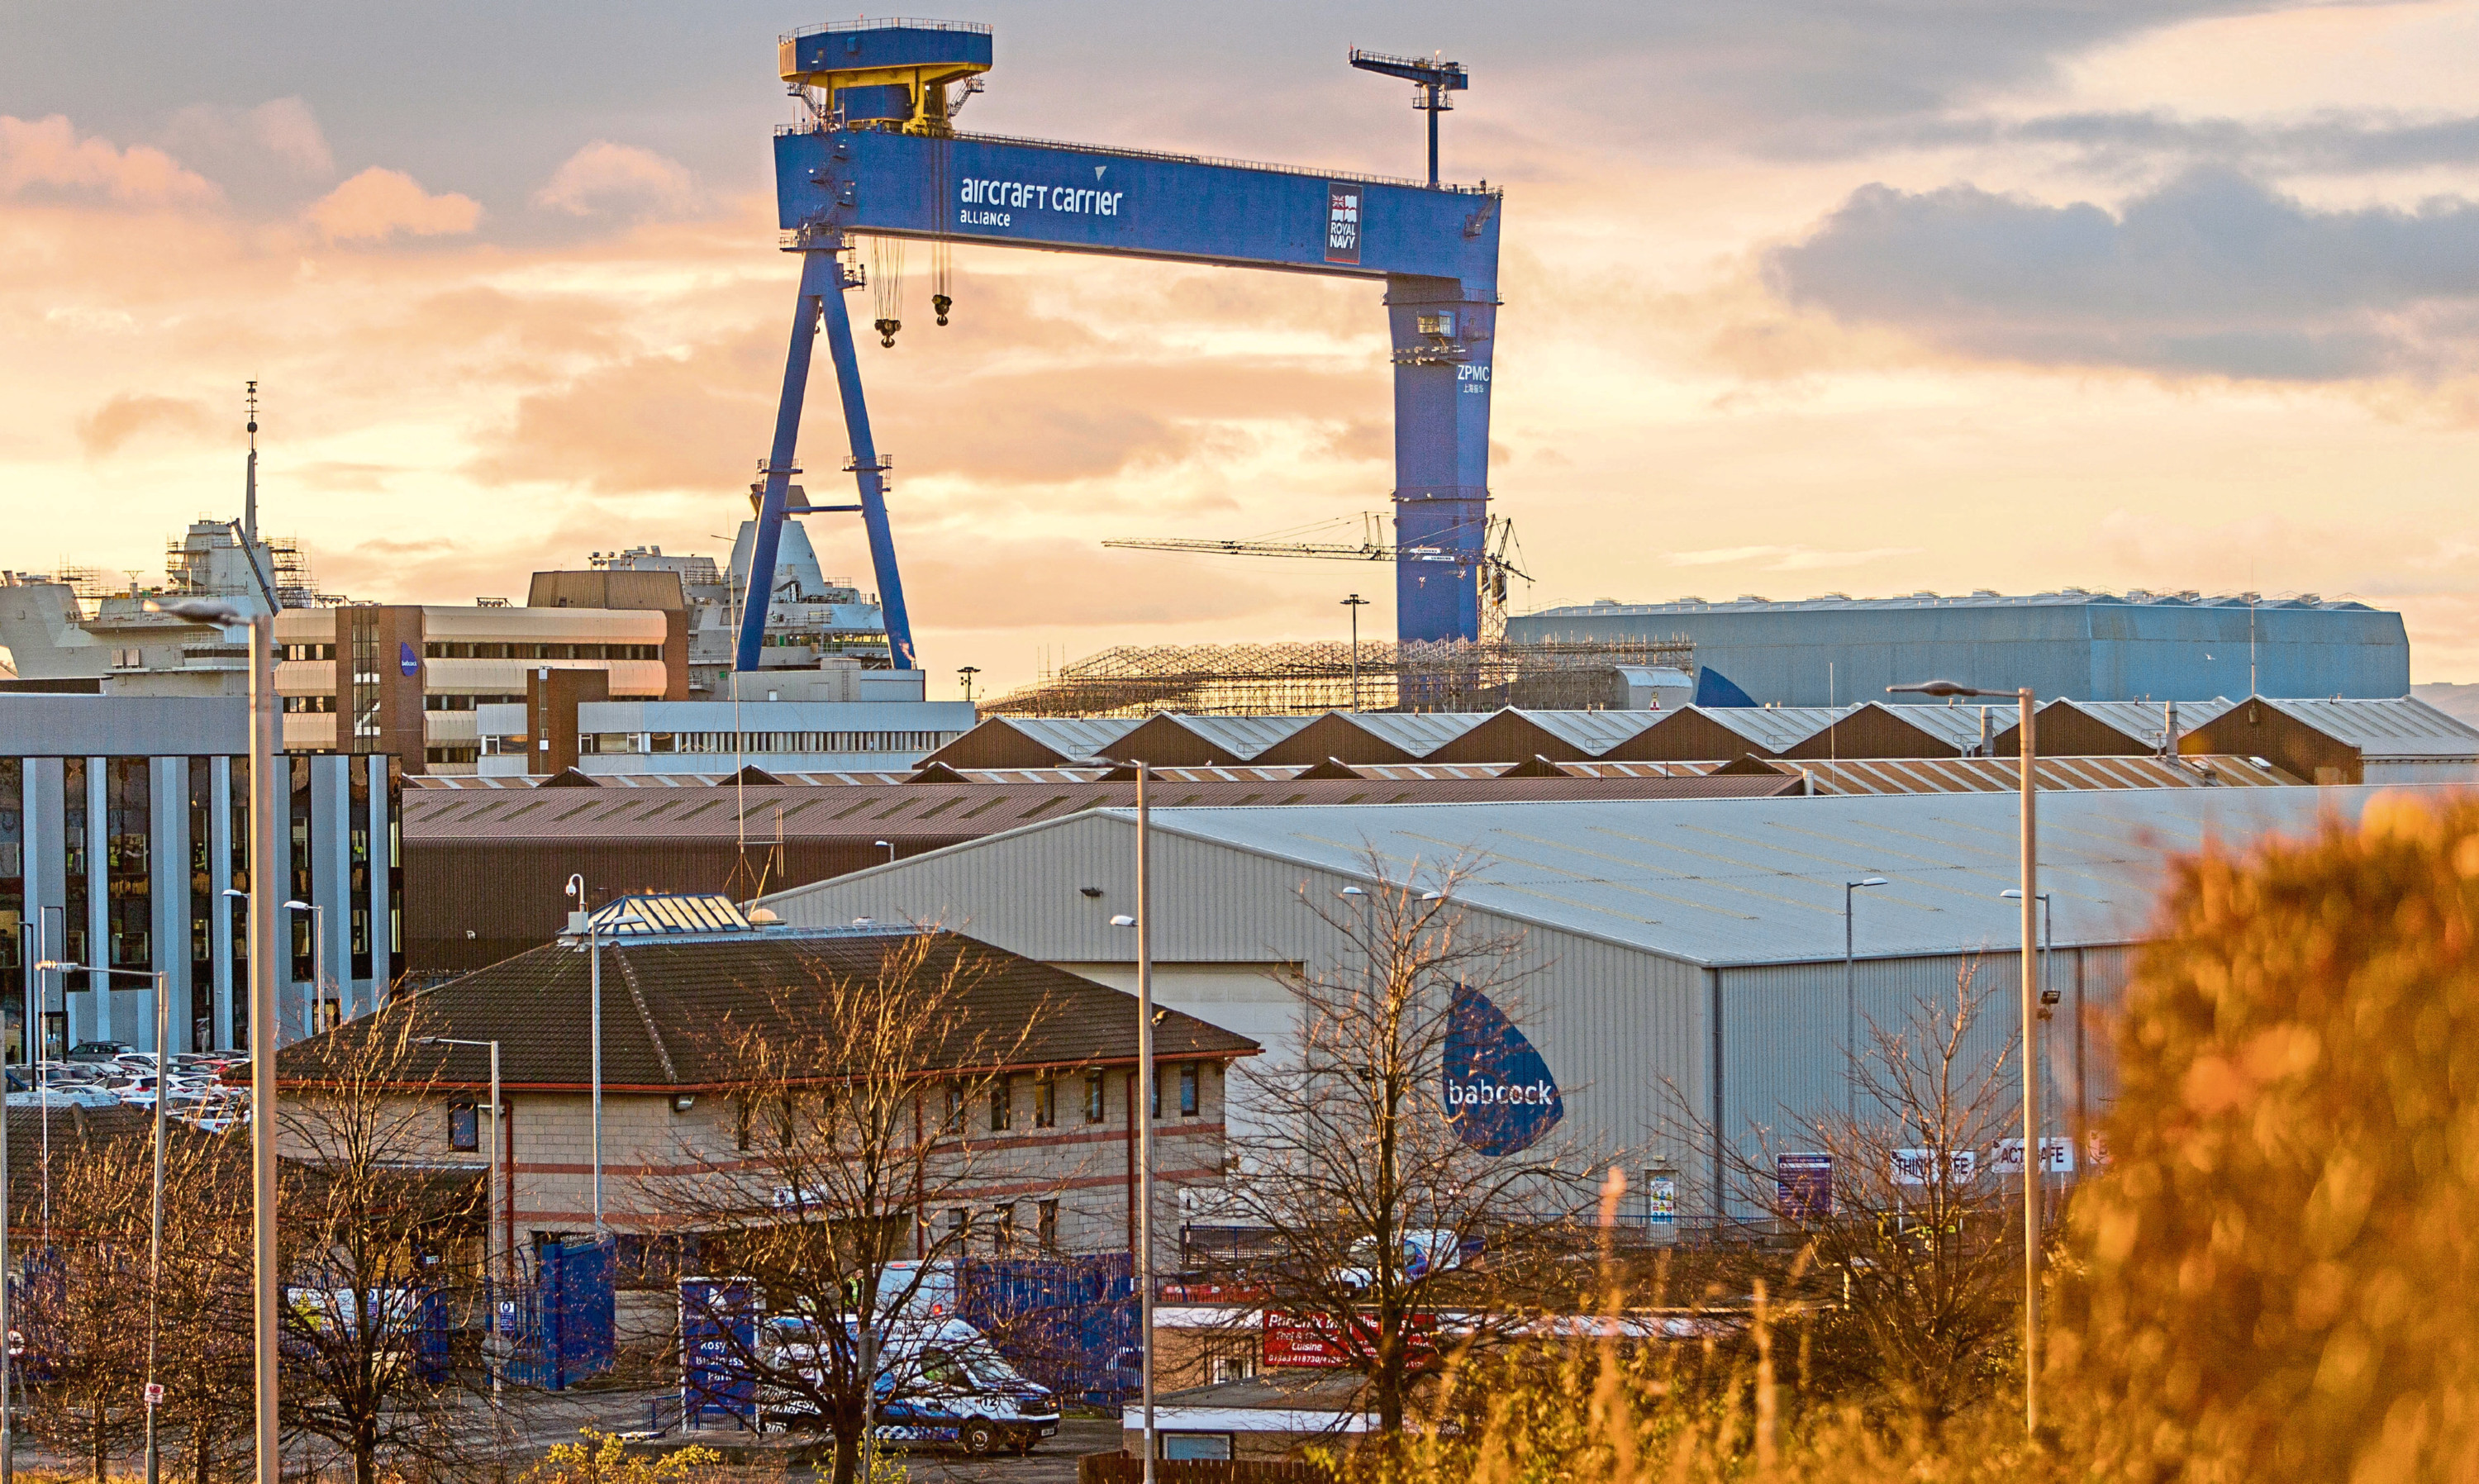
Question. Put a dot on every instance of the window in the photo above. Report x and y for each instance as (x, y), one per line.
(1095, 1108)
(1001, 1104)
(1157, 1086)
(1187, 1102)
(1045, 1101)
(1002, 1229)
(740, 1124)
(1046, 1225)
(955, 1122)
(464, 1129)
(959, 1223)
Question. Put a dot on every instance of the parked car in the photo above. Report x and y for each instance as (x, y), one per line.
(99, 1051)
(938, 1381)
(65, 1095)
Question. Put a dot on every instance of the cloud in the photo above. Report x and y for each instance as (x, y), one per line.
(104, 430)
(379, 203)
(283, 131)
(620, 179)
(39, 154)
(2211, 274)
(1793, 558)
(2331, 142)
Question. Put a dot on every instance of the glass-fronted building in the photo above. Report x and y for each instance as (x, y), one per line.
(124, 845)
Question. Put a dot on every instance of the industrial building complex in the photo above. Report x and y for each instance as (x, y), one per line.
(1682, 961)
(2092, 646)
(1674, 807)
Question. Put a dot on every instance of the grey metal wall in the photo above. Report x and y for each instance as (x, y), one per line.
(1783, 1031)
(1627, 1033)
(1635, 1038)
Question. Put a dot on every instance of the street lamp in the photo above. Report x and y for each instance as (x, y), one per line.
(266, 740)
(583, 920)
(2030, 893)
(966, 673)
(2048, 998)
(1851, 1003)
(155, 1218)
(1355, 602)
(491, 1218)
(1144, 1111)
(317, 993)
(888, 846)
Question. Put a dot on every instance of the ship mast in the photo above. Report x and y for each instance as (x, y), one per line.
(250, 487)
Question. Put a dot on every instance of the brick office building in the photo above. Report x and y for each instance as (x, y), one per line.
(1047, 1130)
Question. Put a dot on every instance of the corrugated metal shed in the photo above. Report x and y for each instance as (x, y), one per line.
(2093, 646)
(1759, 881)
(1416, 732)
(2387, 731)
(1773, 729)
(2143, 720)
(2003, 774)
(1594, 732)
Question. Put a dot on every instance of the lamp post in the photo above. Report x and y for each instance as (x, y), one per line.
(1144, 1111)
(2030, 890)
(317, 992)
(583, 921)
(2048, 999)
(1355, 602)
(265, 739)
(1851, 1003)
(155, 1212)
(888, 846)
(490, 1323)
(966, 673)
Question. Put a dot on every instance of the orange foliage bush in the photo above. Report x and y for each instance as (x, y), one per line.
(2280, 1277)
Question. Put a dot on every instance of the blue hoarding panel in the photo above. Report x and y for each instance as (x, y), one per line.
(717, 1332)
(1069, 1323)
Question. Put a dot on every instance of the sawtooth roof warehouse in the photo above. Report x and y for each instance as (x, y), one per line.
(1687, 944)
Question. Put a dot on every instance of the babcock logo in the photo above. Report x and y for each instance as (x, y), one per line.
(1500, 1095)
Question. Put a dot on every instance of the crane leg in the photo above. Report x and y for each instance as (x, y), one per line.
(821, 283)
(871, 476)
(1442, 396)
(821, 299)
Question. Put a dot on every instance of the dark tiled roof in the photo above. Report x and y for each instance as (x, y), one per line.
(948, 811)
(669, 1003)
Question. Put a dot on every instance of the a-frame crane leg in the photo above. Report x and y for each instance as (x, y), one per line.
(821, 285)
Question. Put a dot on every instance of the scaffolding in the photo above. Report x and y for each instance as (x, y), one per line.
(1264, 679)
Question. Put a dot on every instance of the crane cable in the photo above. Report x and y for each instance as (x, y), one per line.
(887, 285)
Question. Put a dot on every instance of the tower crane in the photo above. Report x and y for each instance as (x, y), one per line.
(877, 155)
(1496, 563)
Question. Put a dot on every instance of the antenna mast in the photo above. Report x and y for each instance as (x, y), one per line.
(250, 486)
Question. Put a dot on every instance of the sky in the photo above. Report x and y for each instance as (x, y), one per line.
(1869, 296)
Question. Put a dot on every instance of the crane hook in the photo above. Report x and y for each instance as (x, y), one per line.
(941, 304)
(886, 329)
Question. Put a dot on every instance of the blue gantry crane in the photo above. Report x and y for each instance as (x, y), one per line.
(879, 156)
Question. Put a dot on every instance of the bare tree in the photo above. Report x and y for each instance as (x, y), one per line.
(83, 1333)
(852, 1092)
(1394, 1171)
(375, 1248)
(203, 1339)
(1913, 1264)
